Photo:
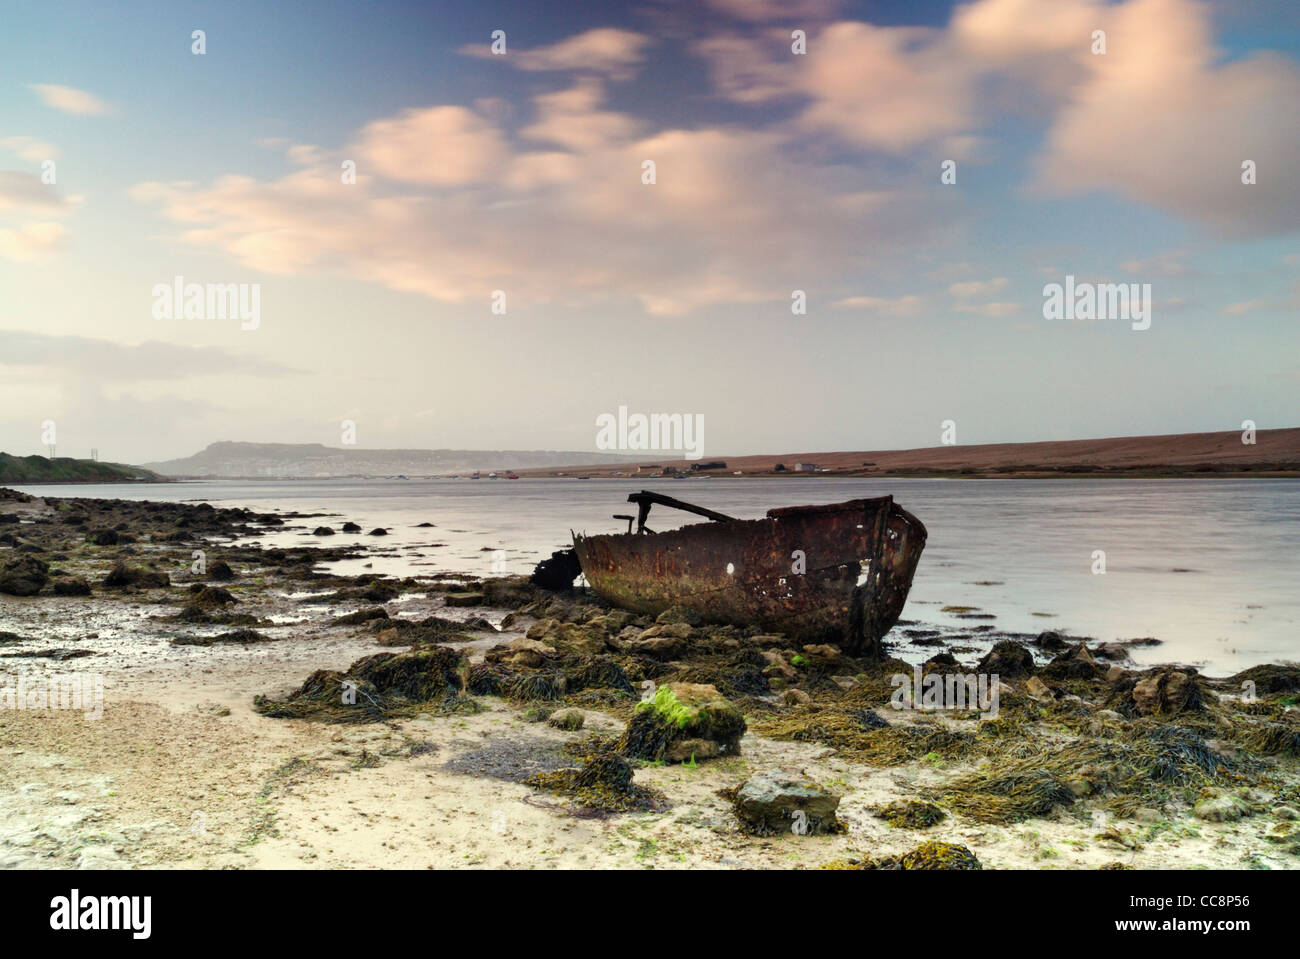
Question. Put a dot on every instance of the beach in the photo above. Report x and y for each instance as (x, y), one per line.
(213, 749)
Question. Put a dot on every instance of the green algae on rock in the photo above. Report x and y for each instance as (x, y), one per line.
(681, 721)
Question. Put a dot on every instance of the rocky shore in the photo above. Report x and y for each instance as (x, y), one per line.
(255, 709)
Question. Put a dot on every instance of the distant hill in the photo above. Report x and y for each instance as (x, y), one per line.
(65, 469)
(306, 460)
(1274, 453)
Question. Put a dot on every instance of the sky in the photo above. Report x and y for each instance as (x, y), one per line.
(518, 180)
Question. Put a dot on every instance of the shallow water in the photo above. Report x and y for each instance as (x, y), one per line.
(1212, 567)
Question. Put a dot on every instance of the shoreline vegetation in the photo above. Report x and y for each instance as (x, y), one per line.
(260, 711)
(30, 470)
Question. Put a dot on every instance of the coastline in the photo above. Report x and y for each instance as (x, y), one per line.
(186, 768)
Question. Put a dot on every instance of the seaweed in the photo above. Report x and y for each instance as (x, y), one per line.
(376, 687)
(910, 814)
(604, 782)
(931, 854)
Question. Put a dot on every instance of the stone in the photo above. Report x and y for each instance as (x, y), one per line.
(1007, 658)
(785, 802)
(464, 599)
(1037, 689)
(1167, 693)
(24, 576)
(570, 720)
(795, 697)
(1222, 808)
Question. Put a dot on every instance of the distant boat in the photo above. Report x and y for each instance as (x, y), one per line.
(493, 476)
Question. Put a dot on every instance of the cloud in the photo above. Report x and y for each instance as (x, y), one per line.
(886, 306)
(436, 146)
(794, 12)
(108, 361)
(994, 310)
(975, 288)
(569, 222)
(29, 149)
(609, 51)
(70, 99)
(1161, 120)
(28, 205)
(1247, 306)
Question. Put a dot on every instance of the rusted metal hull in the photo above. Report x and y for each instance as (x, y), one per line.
(857, 561)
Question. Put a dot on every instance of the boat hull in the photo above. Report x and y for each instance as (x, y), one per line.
(838, 573)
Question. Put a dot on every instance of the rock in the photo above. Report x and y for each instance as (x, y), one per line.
(1007, 658)
(1115, 674)
(1109, 715)
(1288, 813)
(213, 597)
(1037, 689)
(351, 528)
(679, 712)
(322, 531)
(23, 576)
(1051, 641)
(379, 531)
(679, 614)
(1167, 693)
(361, 616)
(103, 537)
(1115, 652)
(75, 586)
(845, 682)
(660, 647)
(1224, 808)
(527, 652)
(558, 572)
(508, 592)
(671, 630)
(570, 720)
(822, 649)
(781, 670)
(785, 802)
(122, 576)
(464, 599)
(692, 750)
(221, 572)
(795, 697)
(568, 638)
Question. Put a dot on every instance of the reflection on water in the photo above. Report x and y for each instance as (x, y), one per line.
(1208, 566)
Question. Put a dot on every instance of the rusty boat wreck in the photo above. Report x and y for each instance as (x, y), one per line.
(838, 573)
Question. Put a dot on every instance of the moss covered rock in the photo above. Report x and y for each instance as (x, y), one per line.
(663, 727)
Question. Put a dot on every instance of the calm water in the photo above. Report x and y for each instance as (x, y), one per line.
(1212, 567)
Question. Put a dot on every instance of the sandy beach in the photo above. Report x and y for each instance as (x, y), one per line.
(183, 767)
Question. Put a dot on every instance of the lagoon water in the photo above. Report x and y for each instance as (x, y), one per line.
(1211, 567)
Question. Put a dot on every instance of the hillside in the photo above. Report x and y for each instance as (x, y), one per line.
(299, 460)
(1275, 452)
(65, 469)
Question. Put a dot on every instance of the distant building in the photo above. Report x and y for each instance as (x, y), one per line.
(779, 468)
(653, 468)
(805, 467)
(713, 465)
